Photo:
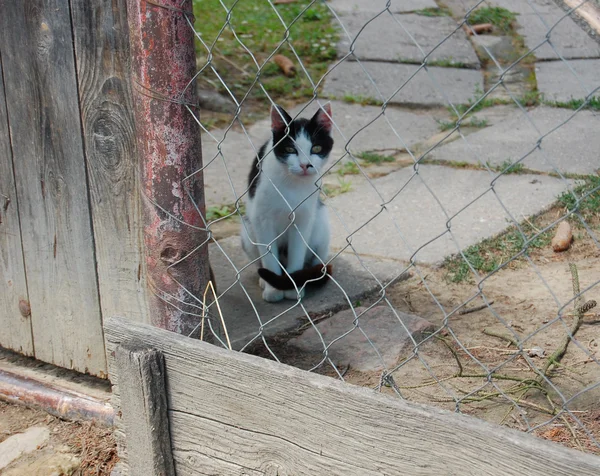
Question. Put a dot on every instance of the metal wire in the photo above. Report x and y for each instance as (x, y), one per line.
(455, 364)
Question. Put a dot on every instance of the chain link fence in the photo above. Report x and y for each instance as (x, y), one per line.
(463, 143)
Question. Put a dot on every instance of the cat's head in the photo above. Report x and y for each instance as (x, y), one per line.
(307, 145)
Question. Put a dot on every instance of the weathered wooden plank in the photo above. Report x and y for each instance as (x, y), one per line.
(233, 413)
(141, 374)
(101, 52)
(45, 128)
(13, 285)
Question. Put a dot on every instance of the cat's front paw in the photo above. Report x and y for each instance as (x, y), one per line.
(293, 295)
(261, 283)
(270, 294)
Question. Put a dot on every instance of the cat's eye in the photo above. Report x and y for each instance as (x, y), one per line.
(316, 149)
(290, 150)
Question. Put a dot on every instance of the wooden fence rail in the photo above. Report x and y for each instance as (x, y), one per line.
(236, 414)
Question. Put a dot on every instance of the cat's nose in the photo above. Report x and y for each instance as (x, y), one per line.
(305, 167)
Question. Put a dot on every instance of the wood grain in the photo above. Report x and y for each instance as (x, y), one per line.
(144, 406)
(105, 96)
(13, 285)
(45, 128)
(235, 414)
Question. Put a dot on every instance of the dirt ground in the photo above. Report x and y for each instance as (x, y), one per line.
(450, 369)
(87, 449)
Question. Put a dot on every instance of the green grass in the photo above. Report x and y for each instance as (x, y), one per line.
(374, 158)
(500, 17)
(593, 104)
(257, 25)
(348, 168)
(434, 12)
(492, 253)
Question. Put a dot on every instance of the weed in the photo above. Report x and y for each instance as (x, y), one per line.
(374, 158)
(331, 191)
(362, 100)
(500, 17)
(477, 105)
(257, 25)
(530, 98)
(223, 211)
(447, 63)
(593, 103)
(588, 206)
(474, 122)
(434, 12)
(508, 167)
(348, 168)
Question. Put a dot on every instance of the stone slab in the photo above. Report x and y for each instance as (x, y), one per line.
(19, 444)
(567, 38)
(379, 81)
(361, 128)
(573, 147)
(376, 6)
(373, 339)
(557, 82)
(406, 39)
(242, 301)
(413, 225)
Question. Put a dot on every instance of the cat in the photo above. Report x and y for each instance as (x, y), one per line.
(283, 188)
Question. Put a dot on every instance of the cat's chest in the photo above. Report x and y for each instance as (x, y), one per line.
(282, 200)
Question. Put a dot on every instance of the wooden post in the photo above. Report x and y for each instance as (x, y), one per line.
(163, 62)
(142, 386)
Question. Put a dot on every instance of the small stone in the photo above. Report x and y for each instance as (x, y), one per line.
(535, 352)
(386, 331)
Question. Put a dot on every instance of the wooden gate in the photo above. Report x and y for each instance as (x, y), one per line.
(69, 229)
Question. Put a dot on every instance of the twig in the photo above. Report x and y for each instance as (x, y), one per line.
(500, 336)
(559, 353)
(454, 353)
(462, 312)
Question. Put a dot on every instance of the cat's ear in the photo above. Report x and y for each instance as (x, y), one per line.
(323, 117)
(279, 119)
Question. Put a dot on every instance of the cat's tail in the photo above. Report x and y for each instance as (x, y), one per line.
(317, 275)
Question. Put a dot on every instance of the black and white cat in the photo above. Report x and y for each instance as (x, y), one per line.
(284, 185)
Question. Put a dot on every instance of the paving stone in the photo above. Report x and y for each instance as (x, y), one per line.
(406, 39)
(48, 461)
(390, 334)
(413, 224)
(434, 87)
(242, 300)
(573, 147)
(376, 6)
(363, 128)
(567, 38)
(19, 444)
(557, 82)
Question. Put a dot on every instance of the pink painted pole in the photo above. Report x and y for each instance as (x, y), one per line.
(163, 62)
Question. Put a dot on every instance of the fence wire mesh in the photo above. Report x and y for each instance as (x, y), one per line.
(464, 139)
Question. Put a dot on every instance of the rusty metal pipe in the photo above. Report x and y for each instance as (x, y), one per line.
(63, 404)
(163, 63)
